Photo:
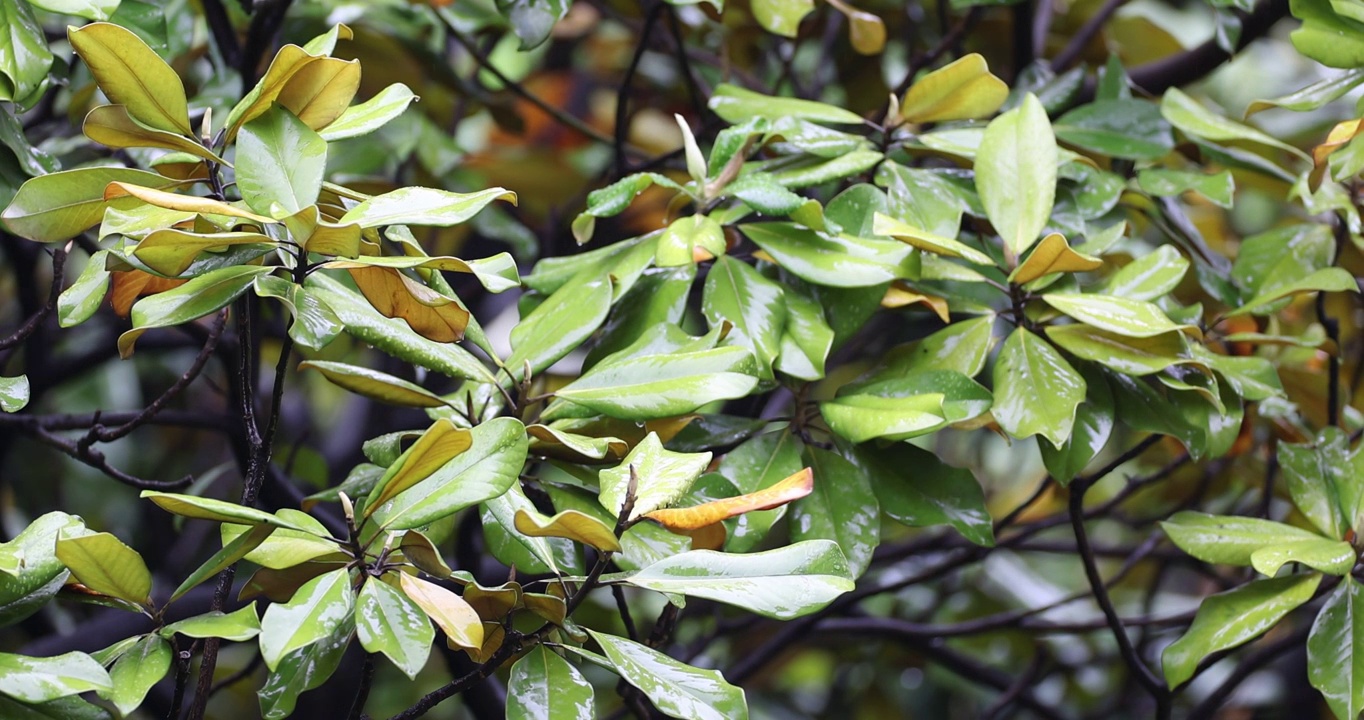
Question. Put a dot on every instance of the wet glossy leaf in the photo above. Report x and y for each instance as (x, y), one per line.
(389, 622)
(1313, 96)
(657, 386)
(544, 686)
(689, 240)
(319, 92)
(238, 626)
(833, 260)
(137, 670)
(734, 291)
(438, 445)
(784, 584)
(191, 506)
(1325, 280)
(486, 470)
(104, 564)
(171, 252)
(1036, 391)
(1127, 355)
(370, 115)
(1228, 540)
(1335, 663)
(675, 688)
(532, 20)
(280, 163)
(423, 206)
(842, 508)
(1192, 118)
(13, 393)
(112, 126)
(961, 90)
(234, 548)
(24, 54)
(451, 613)
(1333, 557)
(374, 384)
(1230, 619)
(905, 407)
(497, 273)
(663, 476)
(1125, 128)
(792, 488)
(560, 324)
(58, 206)
(917, 489)
(806, 340)
(1016, 173)
(205, 294)
(30, 573)
(570, 524)
(928, 242)
(1121, 316)
(318, 609)
(81, 300)
(304, 669)
(185, 203)
(1217, 187)
(735, 104)
(1318, 477)
(133, 75)
(35, 680)
(1150, 276)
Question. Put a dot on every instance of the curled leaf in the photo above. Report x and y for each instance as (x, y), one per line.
(792, 488)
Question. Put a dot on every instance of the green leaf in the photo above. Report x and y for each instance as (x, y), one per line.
(132, 74)
(806, 340)
(201, 296)
(422, 206)
(438, 445)
(58, 206)
(13, 393)
(1094, 420)
(1124, 128)
(1016, 173)
(544, 686)
(833, 260)
(561, 323)
(1327, 36)
(238, 626)
(285, 548)
(35, 680)
(30, 573)
(24, 54)
(1150, 276)
(1318, 477)
(170, 251)
(231, 552)
(819, 170)
(304, 669)
(1325, 280)
(82, 299)
(905, 407)
(532, 20)
(70, 707)
(486, 470)
(393, 336)
(929, 242)
(137, 670)
(663, 477)
(917, 489)
(1281, 256)
(388, 622)
(1121, 316)
(1232, 618)
(783, 584)
(1036, 392)
(112, 126)
(689, 239)
(319, 608)
(675, 688)
(370, 115)
(753, 304)
(764, 194)
(280, 163)
(841, 508)
(1228, 540)
(1333, 557)
(735, 104)
(656, 386)
(1218, 187)
(534, 554)
(375, 385)
(1192, 118)
(191, 506)
(1335, 663)
(780, 16)
(104, 564)
(1314, 96)
(1127, 355)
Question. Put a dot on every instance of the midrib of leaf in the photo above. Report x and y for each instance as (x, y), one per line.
(146, 90)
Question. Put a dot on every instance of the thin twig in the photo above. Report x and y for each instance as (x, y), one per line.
(36, 321)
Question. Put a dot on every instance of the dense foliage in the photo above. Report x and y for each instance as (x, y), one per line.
(687, 359)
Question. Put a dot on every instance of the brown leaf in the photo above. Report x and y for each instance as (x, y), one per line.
(426, 311)
(130, 285)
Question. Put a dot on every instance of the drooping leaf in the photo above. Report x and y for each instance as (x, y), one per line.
(792, 488)
(137, 670)
(58, 206)
(238, 626)
(104, 564)
(914, 487)
(374, 384)
(304, 669)
(1335, 664)
(450, 612)
(675, 688)
(370, 115)
(1333, 557)
(35, 680)
(423, 206)
(233, 550)
(112, 126)
(570, 524)
(438, 445)
(1192, 118)
(170, 251)
(24, 54)
(1230, 619)
(544, 686)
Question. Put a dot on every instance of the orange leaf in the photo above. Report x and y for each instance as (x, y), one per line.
(130, 285)
(693, 518)
(426, 311)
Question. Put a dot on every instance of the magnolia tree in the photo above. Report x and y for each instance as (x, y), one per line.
(681, 359)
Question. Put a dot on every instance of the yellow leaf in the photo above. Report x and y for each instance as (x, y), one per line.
(926, 241)
(1339, 136)
(1053, 255)
(170, 252)
(962, 90)
(288, 61)
(899, 295)
(792, 488)
(866, 32)
(440, 444)
(321, 90)
(317, 235)
(131, 73)
(184, 203)
(374, 384)
(493, 634)
(454, 616)
(426, 311)
(112, 126)
(571, 524)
